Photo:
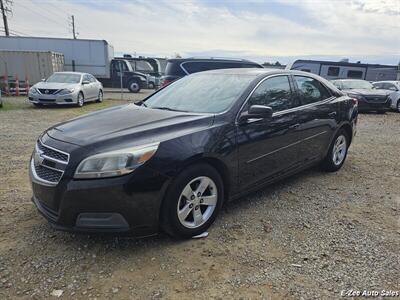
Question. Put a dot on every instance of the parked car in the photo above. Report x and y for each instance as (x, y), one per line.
(171, 161)
(180, 67)
(369, 98)
(66, 88)
(394, 88)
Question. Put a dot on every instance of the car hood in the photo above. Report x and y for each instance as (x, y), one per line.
(366, 92)
(55, 85)
(128, 123)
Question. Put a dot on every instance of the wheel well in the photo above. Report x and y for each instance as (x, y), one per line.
(349, 131)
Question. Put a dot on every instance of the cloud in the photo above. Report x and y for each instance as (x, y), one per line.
(253, 29)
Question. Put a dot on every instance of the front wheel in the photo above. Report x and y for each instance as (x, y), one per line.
(100, 97)
(192, 202)
(337, 153)
(398, 106)
(81, 100)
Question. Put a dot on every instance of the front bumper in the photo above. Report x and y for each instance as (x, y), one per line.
(129, 203)
(71, 98)
(365, 106)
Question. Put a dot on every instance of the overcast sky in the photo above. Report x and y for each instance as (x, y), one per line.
(366, 30)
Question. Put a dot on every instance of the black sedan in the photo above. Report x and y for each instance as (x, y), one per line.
(369, 98)
(171, 162)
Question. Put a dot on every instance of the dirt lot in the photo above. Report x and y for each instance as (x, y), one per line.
(308, 237)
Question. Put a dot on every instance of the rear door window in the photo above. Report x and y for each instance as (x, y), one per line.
(274, 92)
(310, 90)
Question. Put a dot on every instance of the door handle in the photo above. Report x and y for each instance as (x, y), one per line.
(332, 114)
(294, 126)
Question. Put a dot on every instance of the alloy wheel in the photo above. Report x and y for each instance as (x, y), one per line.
(100, 99)
(339, 150)
(197, 202)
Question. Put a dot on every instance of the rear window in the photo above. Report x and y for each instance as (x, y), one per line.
(354, 74)
(174, 69)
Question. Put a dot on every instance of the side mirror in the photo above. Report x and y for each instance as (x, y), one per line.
(257, 112)
(85, 82)
(43, 80)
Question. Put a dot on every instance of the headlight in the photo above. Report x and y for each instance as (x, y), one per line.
(115, 163)
(33, 90)
(66, 91)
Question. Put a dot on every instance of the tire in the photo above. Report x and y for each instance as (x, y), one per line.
(185, 225)
(337, 153)
(398, 106)
(151, 85)
(37, 104)
(81, 100)
(134, 86)
(100, 97)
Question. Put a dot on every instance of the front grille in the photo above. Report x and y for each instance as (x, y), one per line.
(52, 153)
(376, 99)
(48, 164)
(48, 174)
(48, 91)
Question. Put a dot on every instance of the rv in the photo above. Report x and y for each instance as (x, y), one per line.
(342, 70)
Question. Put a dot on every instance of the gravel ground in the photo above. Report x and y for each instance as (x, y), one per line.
(308, 237)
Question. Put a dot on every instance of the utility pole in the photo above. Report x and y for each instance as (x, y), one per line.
(73, 26)
(4, 11)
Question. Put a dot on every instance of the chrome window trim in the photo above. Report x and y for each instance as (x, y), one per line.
(282, 112)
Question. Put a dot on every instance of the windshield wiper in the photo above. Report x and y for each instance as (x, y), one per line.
(167, 108)
(141, 103)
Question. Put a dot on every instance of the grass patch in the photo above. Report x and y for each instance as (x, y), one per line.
(21, 103)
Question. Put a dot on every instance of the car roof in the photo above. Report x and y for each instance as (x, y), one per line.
(388, 81)
(77, 73)
(215, 59)
(349, 79)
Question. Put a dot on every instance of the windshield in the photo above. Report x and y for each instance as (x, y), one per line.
(201, 93)
(141, 66)
(64, 78)
(356, 84)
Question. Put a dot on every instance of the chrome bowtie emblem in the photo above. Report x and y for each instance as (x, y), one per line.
(38, 158)
(46, 91)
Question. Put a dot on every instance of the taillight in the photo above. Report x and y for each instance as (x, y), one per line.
(355, 101)
(165, 82)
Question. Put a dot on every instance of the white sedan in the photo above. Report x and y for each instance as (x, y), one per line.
(66, 88)
(393, 86)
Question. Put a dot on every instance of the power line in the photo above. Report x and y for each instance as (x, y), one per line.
(39, 13)
(5, 9)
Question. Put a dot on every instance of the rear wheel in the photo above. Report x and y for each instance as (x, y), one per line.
(398, 106)
(151, 85)
(337, 153)
(134, 86)
(192, 202)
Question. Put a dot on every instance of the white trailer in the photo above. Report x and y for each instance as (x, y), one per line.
(340, 70)
(29, 66)
(80, 55)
